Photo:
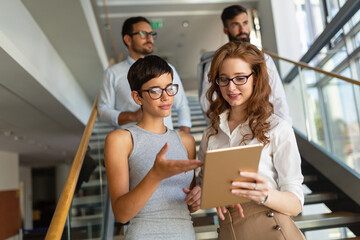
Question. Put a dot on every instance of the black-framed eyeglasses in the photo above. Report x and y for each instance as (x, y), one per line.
(145, 34)
(157, 92)
(238, 80)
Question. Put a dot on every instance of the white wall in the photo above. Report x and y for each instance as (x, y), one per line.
(267, 26)
(24, 41)
(286, 29)
(62, 172)
(281, 35)
(9, 171)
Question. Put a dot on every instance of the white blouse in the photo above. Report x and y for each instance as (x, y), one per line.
(280, 160)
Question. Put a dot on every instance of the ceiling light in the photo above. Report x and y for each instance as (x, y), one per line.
(7, 133)
(185, 24)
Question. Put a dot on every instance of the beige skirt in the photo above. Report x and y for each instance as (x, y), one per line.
(260, 222)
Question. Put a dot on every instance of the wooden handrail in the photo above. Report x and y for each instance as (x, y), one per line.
(58, 220)
(57, 224)
(304, 65)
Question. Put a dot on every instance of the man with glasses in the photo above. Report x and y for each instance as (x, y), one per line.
(235, 22)
(115, 104)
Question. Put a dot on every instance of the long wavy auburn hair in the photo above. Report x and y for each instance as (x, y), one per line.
(258, 108)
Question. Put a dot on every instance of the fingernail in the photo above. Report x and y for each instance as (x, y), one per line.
(233, 184)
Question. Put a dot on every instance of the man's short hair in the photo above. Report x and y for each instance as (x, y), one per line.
(231, 12)
(145, 69)
(128, 29)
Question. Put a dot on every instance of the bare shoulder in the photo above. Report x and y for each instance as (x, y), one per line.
(119, 139)
(118, 135)
(189, 143)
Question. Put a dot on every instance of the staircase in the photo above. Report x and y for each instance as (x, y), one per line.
(341, 211)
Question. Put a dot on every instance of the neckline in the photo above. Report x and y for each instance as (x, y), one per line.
(152, 133)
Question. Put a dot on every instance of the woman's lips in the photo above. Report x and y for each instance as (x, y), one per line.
(234, 95)
(165, 107)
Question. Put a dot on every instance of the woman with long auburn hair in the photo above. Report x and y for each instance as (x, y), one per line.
(241, 114)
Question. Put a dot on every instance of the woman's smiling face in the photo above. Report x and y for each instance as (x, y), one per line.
(235, 95)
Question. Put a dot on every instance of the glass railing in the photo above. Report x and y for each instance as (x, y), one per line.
(86, 215)
(86, 218)
(326, 110)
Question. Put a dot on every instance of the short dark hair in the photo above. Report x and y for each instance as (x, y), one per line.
(145, 69)
(127, 28)
(231, 12)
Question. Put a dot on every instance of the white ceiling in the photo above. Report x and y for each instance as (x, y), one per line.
(32, 122)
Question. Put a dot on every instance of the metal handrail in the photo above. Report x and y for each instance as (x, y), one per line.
(304, 65)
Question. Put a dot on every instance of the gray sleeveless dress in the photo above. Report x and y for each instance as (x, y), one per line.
(165, 215)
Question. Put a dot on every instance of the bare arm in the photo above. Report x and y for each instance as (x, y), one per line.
(185, 129)
(126, 204)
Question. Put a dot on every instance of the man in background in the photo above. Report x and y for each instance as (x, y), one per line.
(115, 104)
(236, 27)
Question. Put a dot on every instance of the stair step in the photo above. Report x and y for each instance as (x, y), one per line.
(193, 111)
(96, 151)
(320, 197)
(101, 124)
(98, 136)
(87, 200)
(195, 126)
(204, 213)
(207, 228)
(310, 178)
(96, 144)
(327, 220)
(85, 221)
(93, 184)
(206, 236)
(103, 129)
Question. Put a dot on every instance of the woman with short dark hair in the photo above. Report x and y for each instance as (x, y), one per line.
(147, 164)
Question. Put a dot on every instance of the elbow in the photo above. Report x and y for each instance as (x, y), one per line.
(121, 218)
(296, 210)
(295, 213)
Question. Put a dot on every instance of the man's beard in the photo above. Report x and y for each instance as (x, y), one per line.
(142, 50)
(238, 38)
